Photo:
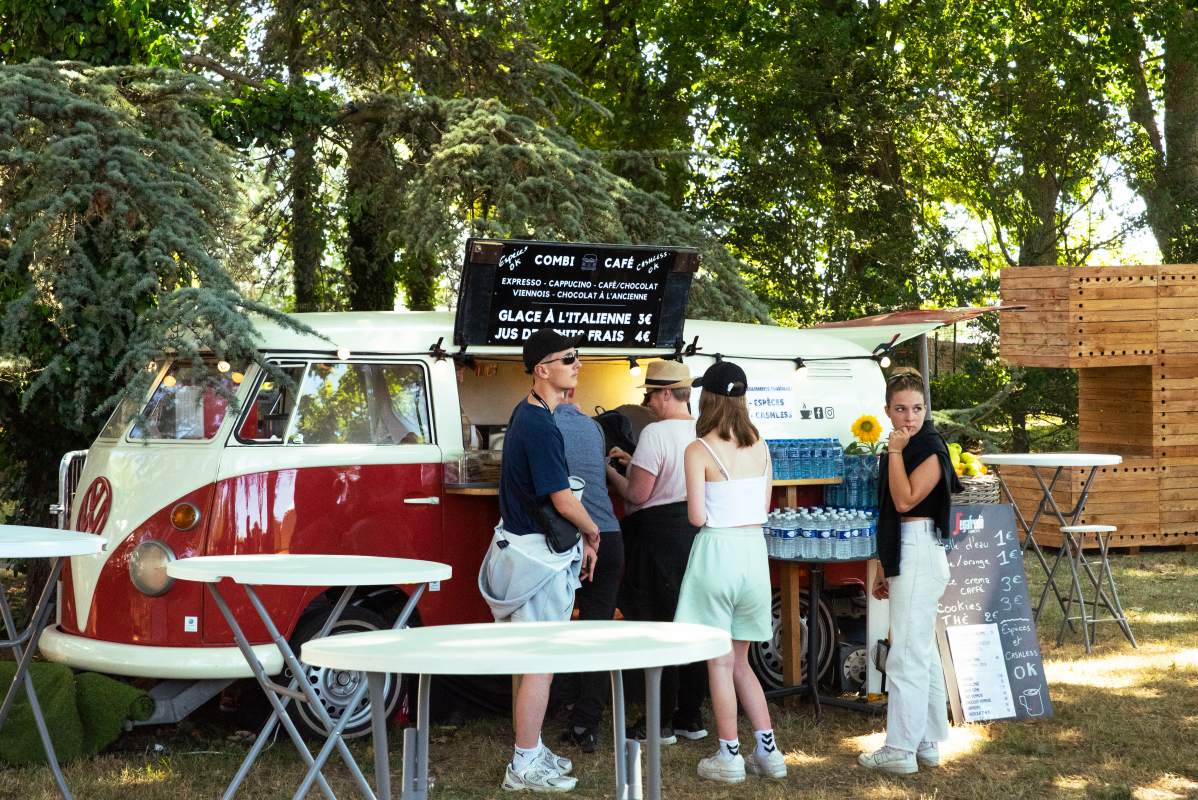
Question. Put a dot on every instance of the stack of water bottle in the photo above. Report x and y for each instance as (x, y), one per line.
(859, 489)
(827, 534)
(806, 459)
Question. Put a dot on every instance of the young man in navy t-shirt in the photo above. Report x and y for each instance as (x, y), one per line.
(521, 578)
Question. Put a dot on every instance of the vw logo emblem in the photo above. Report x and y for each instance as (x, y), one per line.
(93, 510)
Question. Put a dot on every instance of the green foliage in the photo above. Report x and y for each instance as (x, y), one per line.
(97, 32)
(270, 116)
(117, 208)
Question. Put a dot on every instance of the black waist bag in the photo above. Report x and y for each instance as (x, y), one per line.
(560, 533)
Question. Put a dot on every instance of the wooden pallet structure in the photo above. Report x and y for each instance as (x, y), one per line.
(1132, 334)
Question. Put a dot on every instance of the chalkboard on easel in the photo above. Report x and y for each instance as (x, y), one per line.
(985, 627)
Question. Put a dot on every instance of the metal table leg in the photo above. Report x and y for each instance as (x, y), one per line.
(378, 724)
(815, 577)
(1048, 498)
(617, 718)
(274, 691)
(415, 748)
(336, 734)
(653, 732)
(31, 635)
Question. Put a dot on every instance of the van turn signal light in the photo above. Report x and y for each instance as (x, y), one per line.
(185, 516)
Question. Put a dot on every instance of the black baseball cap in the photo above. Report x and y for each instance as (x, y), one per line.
(724, 377)
(542, 343)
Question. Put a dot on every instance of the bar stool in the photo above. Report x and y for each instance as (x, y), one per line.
(1074, 540)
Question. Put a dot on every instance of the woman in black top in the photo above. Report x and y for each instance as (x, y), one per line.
(915, 486)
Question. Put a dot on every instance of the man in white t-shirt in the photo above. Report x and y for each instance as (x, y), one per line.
(658, 536)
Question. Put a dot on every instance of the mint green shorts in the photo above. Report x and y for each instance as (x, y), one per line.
(727, 584)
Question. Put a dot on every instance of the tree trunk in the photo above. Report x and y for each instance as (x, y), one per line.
(370, 254)
(418, 276)
(305, 235)
(1181, 141)
(1021, 442)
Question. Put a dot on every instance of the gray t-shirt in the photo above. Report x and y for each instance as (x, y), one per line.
(586, 457)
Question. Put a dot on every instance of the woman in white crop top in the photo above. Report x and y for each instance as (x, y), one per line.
(729, 482)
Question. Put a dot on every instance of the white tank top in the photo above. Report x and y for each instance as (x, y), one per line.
(731, 504)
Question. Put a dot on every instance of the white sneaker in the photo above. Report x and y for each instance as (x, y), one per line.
(562, 766)
(889, 759)
(928, 754)
(715, 768)
(772, 766)
(537, 777)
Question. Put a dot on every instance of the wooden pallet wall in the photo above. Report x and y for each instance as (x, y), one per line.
(1132, 334)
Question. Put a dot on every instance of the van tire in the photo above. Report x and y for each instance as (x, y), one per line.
(334, 687)
(765, 658)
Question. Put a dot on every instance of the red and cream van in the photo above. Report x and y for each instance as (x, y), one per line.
(367, 457)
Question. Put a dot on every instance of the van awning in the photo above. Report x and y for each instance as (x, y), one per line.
(869, 332)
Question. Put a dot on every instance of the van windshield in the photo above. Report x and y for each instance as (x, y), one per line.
(341, 403)
(181, 409)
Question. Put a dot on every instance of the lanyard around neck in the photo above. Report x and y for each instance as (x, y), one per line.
(541, 401)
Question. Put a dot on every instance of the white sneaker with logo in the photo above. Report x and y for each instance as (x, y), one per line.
(562, 766)
(889, 759)
(715, 768)
(928, 754)
(537, 777)
(772, 766)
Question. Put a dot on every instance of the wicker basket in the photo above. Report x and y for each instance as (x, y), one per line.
(979, 490)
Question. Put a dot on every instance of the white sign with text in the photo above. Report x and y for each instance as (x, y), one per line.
(981, 672)
(772, 402)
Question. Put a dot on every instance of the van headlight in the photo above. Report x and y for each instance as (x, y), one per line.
(147, 567)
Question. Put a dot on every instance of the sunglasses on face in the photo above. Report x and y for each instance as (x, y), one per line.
(567, 360)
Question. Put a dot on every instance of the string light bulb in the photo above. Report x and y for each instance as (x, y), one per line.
(343, 353)
(238, 377)
(800, 369)
(884, 362)
(440, 364)
(168, 381)
(634, 367)
(223, 366)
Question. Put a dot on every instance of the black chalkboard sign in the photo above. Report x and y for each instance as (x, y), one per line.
(985, 627)
(620, 296)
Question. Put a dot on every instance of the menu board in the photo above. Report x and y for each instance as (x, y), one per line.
(620, 296)
(985, 625)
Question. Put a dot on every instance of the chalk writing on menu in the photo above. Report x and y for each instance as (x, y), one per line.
(609, 295)
(985, 621)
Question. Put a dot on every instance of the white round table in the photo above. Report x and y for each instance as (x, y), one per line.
(1072, 547)
(20, 541)
(315, 571)
(518, 649)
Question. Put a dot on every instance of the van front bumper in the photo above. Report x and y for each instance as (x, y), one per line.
(139, 661)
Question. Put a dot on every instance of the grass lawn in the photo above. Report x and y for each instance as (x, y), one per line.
(1126, 726)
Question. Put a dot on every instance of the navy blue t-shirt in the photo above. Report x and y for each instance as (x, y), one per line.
(533, 467)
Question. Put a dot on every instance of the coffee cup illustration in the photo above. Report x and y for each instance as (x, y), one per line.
(805, 412)
(1031, 702)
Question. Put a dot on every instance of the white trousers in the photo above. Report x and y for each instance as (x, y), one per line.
(916, 707)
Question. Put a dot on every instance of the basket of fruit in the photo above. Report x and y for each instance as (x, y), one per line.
(981, 488)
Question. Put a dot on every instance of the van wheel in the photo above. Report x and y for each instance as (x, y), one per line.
(766, 657)
(335, 687)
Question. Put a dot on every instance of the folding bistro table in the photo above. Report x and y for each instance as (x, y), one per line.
(1071, 551)
(520, 648)
(18, 541)
(305, 570)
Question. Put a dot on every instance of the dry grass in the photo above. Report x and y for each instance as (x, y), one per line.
(1126, 726)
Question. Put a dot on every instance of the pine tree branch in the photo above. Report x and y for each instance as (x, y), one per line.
(220, 69)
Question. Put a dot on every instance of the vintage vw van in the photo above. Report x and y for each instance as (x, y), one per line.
(364, 456)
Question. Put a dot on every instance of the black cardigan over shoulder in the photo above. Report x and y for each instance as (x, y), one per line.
(927, 441)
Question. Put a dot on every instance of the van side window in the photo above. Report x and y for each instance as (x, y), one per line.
(383, 404)
(271, 410)
(180, 409)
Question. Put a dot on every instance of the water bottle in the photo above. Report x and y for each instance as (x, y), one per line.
(824, 529)
(871, 482)
(805, 464)
(871, 542)
(858, 536)
(772, 446)
(788, 536)
(767, 529)
(837, 459)
(807, 541)
(845, 534)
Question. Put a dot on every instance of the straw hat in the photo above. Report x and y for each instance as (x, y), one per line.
(667, 375)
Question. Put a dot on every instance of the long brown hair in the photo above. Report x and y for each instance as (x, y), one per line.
(728, 416)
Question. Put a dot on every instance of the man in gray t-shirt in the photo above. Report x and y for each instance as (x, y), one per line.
(596, 598)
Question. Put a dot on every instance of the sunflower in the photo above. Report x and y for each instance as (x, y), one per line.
(866, 428)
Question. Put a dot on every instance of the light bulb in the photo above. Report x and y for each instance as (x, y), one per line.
(635, 368)
(169, 380)
(343, 353)
(884, 362)
(238, 377)
(440, 364)
(800, 369)
(223, 366)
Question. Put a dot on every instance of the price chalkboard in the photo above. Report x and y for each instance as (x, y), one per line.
(985, 627)
(620, 296)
